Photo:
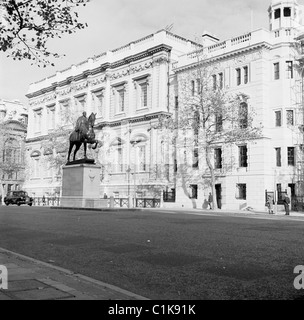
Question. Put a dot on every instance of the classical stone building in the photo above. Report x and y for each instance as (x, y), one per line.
(13, 128)
(128, 89)
(131, 87)
(267, 67)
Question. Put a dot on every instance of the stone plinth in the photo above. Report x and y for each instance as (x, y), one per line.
(80, 186)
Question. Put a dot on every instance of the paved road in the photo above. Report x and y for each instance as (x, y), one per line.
(165, 255)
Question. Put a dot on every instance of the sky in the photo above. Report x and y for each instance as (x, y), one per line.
(114, 23)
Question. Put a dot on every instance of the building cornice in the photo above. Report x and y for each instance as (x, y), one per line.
(132, 120)
(106, 67)
(225, 56)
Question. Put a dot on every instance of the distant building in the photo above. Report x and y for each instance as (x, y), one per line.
(13, 128)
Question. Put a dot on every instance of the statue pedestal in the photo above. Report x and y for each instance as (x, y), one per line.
(81, 185)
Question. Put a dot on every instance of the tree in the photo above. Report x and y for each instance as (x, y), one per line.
(27, 25)
(206, 117)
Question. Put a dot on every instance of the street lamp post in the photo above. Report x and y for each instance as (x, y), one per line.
(129, 196)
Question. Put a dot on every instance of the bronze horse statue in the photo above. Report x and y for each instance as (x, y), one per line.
(83, 134)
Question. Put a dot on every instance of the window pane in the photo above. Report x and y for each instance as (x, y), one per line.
(218, 158)
(245, 75)
(278, 116)
(241, 192)
(289, 69)
(221, 80)
(278, 157)
(277, 13)
(243, 115)
(243, 156)
(214, 82)
(291, 156)
(238, 76)
(276, 71)
(290, 117)
(144, 94)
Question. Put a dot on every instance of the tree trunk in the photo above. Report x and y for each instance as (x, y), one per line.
(211, 168)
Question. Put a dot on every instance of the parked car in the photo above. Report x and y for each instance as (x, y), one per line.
(18, 198)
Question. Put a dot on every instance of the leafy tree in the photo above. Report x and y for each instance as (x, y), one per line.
(27, 25)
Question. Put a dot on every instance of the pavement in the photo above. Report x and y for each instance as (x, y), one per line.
(31, 279)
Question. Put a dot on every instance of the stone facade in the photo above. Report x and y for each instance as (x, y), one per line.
(266, 66)
(13, 127)
(128, 89)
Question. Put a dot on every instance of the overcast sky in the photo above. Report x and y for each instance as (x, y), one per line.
(113, 23)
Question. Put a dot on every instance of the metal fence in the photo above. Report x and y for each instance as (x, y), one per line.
(147, 203)
(52, 201)
(121, 203)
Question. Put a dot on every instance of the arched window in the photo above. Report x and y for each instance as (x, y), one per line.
(117, 150)
(35, 167)
(139, 142)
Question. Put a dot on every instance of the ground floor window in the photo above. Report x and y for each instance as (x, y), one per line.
(193, 191)
(241, 192)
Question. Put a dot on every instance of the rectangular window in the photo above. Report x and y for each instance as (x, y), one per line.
(278, 118)
(51, 117)
(243, 157)
(243, 115)
(99, 101)
(238, 76)
(121, 100)
(176, 103)
(198, 83)
(144, 95)
(192, 87)
(119, 160)
(287, 12)
(38, 118)
(278, 157)
(291, 156)
(289, 69)
(218, 158)
(214, 82)
(241, 192)
(218, 122)
(276, 67)
(221, 80)
(277, 13)
(142, 158)
(290, 117)
(246, 75)
(195, 158)
(193, 191)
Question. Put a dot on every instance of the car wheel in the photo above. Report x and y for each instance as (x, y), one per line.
(18, 203)
(30, 204)
(7, 203)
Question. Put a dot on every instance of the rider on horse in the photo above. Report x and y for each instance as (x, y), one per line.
(82, 125)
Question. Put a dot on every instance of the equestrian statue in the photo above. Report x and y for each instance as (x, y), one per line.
(83, 134)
